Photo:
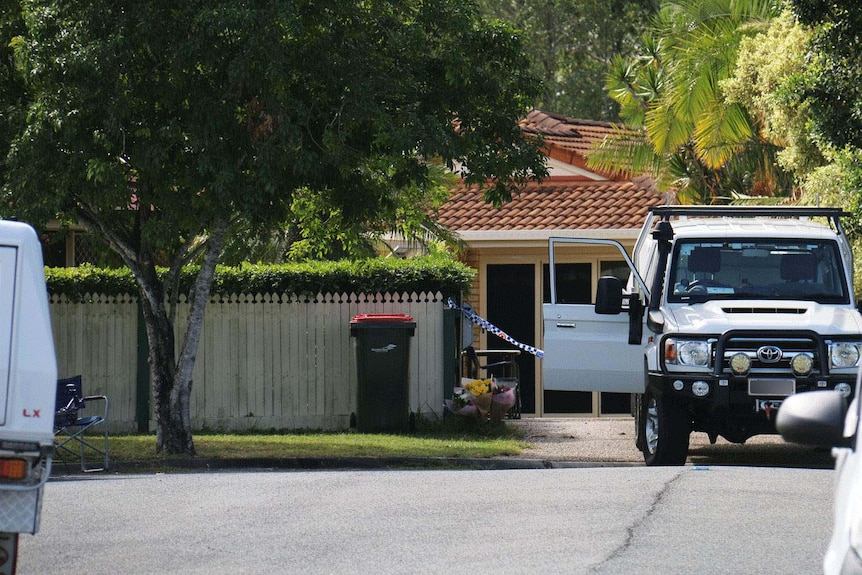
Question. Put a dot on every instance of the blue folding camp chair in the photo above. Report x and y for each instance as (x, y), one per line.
(71, 423)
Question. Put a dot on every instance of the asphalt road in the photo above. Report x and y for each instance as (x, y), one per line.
(600, 520)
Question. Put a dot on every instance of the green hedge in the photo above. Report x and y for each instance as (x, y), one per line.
(425, 274)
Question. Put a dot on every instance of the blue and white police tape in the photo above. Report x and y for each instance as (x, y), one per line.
(467, 310)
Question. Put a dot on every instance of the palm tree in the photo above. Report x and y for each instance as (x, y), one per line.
(677, 125)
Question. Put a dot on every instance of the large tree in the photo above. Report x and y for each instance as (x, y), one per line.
(830, 89)
(834, 84)
(571, 43)
(160, 124)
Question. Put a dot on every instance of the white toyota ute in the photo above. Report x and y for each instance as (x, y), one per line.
(727, 312)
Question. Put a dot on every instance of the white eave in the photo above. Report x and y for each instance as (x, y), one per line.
(558, 168)
(521, 238)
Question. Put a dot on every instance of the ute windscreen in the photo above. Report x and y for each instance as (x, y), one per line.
(757, 269)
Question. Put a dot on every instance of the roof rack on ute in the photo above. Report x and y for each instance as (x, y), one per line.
(665, 213)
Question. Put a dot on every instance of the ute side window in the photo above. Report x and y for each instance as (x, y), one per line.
(573, 283)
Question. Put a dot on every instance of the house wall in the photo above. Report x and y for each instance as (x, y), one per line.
(536, 255)
(264, 362)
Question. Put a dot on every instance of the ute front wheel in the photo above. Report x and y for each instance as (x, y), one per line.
(664, 430)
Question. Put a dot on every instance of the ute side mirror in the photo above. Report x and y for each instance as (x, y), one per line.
(813, 418)
(609, 296)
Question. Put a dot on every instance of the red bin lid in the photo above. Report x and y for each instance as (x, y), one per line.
(381, 318)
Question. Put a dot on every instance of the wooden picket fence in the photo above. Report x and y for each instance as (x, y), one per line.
(264, 362)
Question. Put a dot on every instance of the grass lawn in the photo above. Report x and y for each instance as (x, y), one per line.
(452, 438)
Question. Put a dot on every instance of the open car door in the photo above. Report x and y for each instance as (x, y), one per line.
(590, 351)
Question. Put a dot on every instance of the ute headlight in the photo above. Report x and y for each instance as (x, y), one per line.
(740, 363)
(693, 353)
(802, 363)
(844, 354)
(687, 353)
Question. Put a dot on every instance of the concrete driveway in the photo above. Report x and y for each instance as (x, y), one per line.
(612, 440)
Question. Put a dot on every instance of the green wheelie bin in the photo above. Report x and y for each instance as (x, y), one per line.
(382, 361)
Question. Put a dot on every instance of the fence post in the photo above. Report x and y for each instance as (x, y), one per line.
(451, 351)
(142, 379)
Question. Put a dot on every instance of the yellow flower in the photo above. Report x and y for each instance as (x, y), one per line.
(478, 386)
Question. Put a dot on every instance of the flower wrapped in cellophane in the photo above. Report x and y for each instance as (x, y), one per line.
(502, 401)
(460, 403)
(479, 393)
(482, 398)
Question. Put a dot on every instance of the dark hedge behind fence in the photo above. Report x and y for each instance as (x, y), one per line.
(425, 274)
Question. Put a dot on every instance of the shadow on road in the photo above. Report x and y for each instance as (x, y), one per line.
(772, 454)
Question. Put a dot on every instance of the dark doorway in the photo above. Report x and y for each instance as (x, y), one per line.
(511, 295)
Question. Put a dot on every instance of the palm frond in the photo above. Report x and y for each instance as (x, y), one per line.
(624, 152)
(722, 131)
(621, 82)
(667, 129)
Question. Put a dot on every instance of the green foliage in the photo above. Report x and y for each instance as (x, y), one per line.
(222, 110)
(834, 71)
(828, 91)
(571, 43)
(76, 283)
(11, 85)
(768, 81)
(838, 183)
(426, 274)
(319, 229)
(681, 128)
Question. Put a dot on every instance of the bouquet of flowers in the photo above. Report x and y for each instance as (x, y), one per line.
(482, 398)
(502, 401)
(479, 394)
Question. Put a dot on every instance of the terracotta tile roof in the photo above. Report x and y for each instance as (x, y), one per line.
(569, 139)
(559, 203)
(555, 204)
(565, 132)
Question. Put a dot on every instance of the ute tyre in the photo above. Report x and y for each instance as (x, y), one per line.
(637, 413)
(664, 429)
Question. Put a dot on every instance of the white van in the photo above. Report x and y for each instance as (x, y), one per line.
(28, 382)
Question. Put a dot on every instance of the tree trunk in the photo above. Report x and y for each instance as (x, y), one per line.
(160, 337)
(171, 377)
(182, 388)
